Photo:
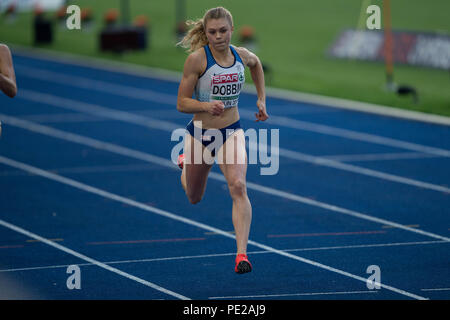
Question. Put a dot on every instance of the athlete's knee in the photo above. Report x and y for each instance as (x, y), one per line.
(237, 187)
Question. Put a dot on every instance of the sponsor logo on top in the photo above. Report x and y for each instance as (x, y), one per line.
(225, 78)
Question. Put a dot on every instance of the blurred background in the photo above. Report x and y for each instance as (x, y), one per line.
(321, 47)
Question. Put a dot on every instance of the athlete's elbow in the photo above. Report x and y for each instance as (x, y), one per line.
(180, 105)
(13, 92)
(8, 86)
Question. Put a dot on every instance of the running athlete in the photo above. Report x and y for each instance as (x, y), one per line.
(214, 72)
(7, 76)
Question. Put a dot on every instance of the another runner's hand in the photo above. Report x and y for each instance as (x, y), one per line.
(262, 114)
(215, 107)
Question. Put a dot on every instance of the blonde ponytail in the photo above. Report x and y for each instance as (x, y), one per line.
(196, 36)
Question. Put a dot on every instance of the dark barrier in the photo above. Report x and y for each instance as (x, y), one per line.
(119, 39)
(43, 30)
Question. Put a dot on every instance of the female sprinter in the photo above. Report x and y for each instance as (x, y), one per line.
(214, 71)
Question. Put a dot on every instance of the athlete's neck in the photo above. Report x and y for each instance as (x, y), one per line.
(223, 57)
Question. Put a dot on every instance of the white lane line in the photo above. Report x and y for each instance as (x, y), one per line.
(349, 134)
(96, 110)
(280, 295)
(90, 260)
(101, 169)
(375, 245)
(215, 255)
(63, 118)
(170, 126)
(84, 117)
(127, 68)
(295, 155)
(55, 133)
(89, 169)
(201, 256)
(436, 289)
(96, 85)
(151, 96)
(378, 156)
(171, 76)
(326, 206)
(167, 214)
(352, 105)
(96, 144)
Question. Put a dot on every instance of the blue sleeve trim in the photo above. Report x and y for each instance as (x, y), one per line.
(209, 59)
(238, 58)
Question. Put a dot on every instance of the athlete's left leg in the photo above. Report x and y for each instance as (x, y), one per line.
(232, 158)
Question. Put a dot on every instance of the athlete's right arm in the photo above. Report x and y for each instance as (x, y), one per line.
(7, 76)
(193, 68)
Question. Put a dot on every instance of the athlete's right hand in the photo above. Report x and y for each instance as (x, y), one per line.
(215, 107)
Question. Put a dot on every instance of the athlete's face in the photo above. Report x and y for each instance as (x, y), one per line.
(218, 32)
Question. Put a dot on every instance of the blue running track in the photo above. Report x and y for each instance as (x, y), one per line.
(86, 179)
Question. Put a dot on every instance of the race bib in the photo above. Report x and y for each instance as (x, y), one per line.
(226, 88)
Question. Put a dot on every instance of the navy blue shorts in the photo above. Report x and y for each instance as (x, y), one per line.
(207, 140)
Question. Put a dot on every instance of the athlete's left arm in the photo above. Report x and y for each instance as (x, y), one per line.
(257, 73)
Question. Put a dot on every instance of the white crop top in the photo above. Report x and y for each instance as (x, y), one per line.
(220, 83)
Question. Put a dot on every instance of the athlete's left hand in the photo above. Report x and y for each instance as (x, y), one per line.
(262, 113)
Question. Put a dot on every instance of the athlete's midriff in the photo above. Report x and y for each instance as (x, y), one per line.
(229, 116)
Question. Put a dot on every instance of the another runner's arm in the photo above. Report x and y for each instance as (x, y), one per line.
(257, 73)
(7, 75)
(185, 102)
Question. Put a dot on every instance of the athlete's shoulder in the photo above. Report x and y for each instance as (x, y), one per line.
(246, 55)
(240, 49)
(197, 56)
(196, 60)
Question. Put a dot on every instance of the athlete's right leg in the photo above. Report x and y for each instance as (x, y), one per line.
(194, 175)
